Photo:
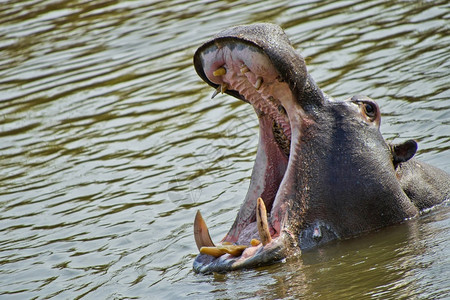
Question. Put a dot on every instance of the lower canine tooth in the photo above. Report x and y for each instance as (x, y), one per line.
(201, 233)
(261, 220)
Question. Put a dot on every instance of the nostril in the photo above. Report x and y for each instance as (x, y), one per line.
(317, 234)
(281, 110)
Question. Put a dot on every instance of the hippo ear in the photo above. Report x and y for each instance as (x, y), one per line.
(404, 151)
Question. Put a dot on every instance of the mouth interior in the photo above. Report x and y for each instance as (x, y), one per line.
(246, 70)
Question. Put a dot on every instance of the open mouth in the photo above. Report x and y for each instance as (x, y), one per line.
(246, 70)
(316, 157)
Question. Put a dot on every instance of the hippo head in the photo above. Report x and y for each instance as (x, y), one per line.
(322, 171)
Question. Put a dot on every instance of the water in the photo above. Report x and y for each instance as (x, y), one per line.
(109, 144)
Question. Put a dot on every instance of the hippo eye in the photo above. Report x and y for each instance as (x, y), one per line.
(370, 109)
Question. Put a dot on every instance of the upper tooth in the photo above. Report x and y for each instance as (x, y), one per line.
(222, 88)
(261, 221)
(258, 83)
(244, 69)
(201, 233)
(216, 92)
(220, 71)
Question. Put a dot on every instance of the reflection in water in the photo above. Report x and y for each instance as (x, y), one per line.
(374, 266)
(392, 263)
(109, 145)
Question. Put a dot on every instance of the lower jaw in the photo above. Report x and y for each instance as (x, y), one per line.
(277, 250)
(268, 173)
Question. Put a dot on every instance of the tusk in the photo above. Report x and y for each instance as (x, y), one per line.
(261, 220)
(220, 71)
(201, 233)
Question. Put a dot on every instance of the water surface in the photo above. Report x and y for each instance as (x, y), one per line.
(109, 144)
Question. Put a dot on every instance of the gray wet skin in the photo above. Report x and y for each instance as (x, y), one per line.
(323, 168)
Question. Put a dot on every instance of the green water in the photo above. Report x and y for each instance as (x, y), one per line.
(109, 144)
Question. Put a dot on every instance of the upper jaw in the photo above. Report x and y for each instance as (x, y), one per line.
(267, 39)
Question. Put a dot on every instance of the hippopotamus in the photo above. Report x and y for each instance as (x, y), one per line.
(323, 171)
